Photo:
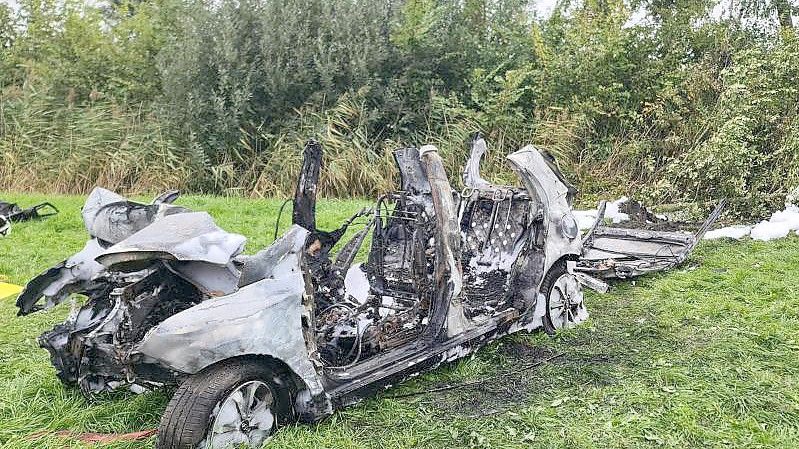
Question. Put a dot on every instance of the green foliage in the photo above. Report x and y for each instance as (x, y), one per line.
(70, 149)
(356, 162)
(235, 68)
(7, 29)
(753, 152)
(441, 46)
(656, 98)
(78, 53)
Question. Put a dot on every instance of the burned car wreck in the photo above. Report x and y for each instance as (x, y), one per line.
(300, 329)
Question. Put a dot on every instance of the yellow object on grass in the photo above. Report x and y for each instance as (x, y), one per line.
(7, 290)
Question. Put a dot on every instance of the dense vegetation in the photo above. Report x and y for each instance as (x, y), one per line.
(675, 100)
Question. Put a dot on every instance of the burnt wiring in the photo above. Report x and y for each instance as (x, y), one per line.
(358, 344)
(279, 215)
(351, 315)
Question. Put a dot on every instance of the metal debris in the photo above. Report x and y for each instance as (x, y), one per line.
(5, 225)
(109, 218)
(611, 252)
(11, 212)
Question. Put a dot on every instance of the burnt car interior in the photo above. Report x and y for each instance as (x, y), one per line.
(398, 272)
(494, 224)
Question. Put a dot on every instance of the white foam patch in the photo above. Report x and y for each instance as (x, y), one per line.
(612, 211)
(356, 284)
(778, 226)
(586, 218)
(736, 232)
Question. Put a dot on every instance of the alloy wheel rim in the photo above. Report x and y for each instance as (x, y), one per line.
(563, 307)
(244, 417)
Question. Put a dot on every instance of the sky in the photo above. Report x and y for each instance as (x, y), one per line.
(542, 7)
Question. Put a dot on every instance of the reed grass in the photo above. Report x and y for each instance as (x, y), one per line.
(48, 148)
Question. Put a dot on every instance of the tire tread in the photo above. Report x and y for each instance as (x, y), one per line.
(186, 418)
(557, 270)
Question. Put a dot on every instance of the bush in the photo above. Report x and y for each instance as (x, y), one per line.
(752, 153)
(219, 96)
(234, 69)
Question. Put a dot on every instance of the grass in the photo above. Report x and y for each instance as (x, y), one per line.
(703, 356)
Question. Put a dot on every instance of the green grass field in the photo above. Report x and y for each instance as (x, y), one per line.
(706, 356)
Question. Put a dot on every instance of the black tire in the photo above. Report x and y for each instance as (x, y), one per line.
(187, 417)
(557, 270)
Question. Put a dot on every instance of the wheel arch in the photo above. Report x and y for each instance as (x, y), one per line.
(306, 406)
(565, 258)
(263, 319)
(279, 366)
(551, 265)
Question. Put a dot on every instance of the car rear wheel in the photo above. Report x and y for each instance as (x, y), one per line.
(238, 403)
(564, 295)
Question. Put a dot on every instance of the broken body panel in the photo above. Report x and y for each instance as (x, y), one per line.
(169, 294)
(130, 286)
(606, 252)
(430, 297)
(611, 252)
(11, 212)
(109, 218)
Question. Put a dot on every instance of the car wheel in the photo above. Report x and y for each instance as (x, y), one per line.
(564, 295)
(237, 403)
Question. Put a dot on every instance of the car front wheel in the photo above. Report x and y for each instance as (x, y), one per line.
(237, 403)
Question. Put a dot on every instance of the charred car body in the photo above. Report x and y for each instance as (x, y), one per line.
(292, 332)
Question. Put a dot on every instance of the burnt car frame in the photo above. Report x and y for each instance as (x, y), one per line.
(293, 333)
